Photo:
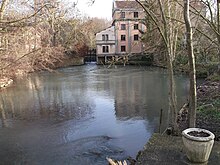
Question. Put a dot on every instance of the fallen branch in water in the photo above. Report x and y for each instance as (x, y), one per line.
(115, 162)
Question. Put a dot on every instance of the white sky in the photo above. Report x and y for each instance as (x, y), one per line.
(101, 8)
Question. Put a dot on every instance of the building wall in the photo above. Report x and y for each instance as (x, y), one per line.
(110, 41)
(131, 45)
(129, 14)
(128, 38)
(111, 50)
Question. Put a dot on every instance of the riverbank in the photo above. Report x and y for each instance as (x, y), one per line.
(8, 79)
(168, 150)
(208, 109)
(203, 70)
(69, 61)
(163, 149)
(5, 82)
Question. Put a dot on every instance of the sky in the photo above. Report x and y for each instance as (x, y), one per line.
(101, 8)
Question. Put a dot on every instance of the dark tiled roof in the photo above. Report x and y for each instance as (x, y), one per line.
(127, 5)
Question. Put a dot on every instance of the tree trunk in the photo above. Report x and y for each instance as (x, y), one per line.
(218, 29)
(172, 97)
(192, 72)
(168, 31)
(2, 8)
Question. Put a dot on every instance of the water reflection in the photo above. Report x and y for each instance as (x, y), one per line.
(35, 99)
(83, 114)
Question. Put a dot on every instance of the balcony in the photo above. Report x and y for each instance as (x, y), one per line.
(105, 42)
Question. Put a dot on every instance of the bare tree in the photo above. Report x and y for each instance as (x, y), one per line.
(20, 53)
(212, 20)
(168, 29)
(192, 73)
(2, 8)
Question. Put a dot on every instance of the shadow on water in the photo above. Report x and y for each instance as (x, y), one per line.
(83, 114)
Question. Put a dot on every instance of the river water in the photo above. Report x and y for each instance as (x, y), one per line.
(83, 114)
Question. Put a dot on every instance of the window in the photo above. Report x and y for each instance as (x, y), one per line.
(135, 26)
(105, 37)
(122, 15)
(105, 49)
(123, 27)
(135, 14)
(123, 48)
(123, 37)
(136, 37)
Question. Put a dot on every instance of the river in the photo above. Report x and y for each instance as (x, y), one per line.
(83, 114)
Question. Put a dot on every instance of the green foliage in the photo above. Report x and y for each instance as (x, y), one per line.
(203, 70)
(216, 102)
(212, 113)
(211, 110)
(181, 60)
(206, 69)
(147, 57)
(214, 77)
(141, 59)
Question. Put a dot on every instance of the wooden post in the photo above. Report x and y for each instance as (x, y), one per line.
(161, 115)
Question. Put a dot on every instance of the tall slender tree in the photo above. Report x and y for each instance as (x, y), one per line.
(218, 34)
(192, 73)
(168, 29)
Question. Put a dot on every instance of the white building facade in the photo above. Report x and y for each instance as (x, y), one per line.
(105, 45)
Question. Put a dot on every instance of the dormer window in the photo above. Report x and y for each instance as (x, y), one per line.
(135, 14)
(122, 15)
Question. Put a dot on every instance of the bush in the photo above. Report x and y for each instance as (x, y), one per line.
(211, 110)
(214, 77)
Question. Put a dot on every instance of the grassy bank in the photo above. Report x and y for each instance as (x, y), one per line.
(208, 109)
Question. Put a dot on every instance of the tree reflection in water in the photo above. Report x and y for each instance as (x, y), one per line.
(83, 113)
